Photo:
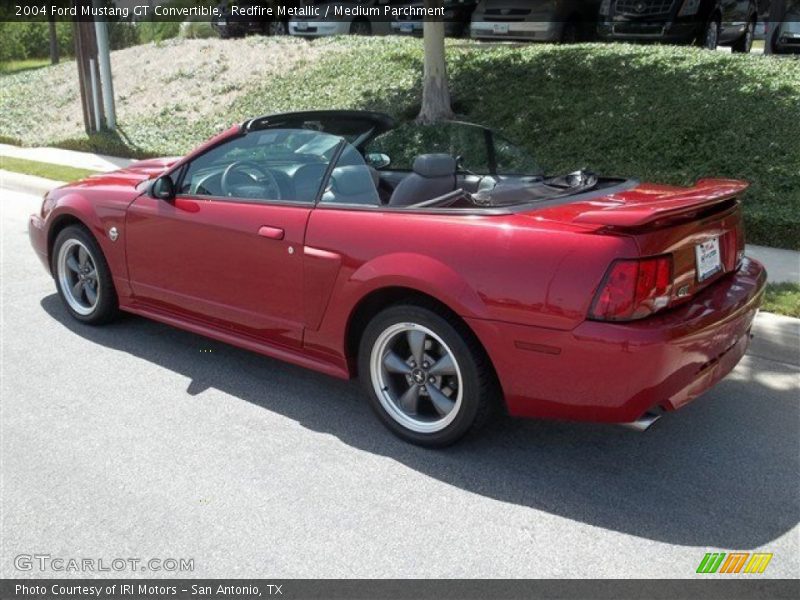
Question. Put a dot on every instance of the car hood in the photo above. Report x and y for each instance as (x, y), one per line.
(131, 176)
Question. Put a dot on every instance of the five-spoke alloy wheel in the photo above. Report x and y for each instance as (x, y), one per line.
(82, 276)
(427, 377)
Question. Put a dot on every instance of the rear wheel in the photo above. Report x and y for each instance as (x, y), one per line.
(710, 36)
(427, 378)
(83, 278)
(570, 33)
(277, 27)
(360, 27)
(745, 43)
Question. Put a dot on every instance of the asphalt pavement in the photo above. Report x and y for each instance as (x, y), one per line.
(137, 440)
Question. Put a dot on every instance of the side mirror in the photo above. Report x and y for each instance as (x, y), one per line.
(163, 188)
(378, 160)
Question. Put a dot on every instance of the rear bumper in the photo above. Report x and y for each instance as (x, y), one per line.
(540, 31)
(615, 372)
(38, 237)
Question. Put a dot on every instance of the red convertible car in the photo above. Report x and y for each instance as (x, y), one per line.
(437, 263)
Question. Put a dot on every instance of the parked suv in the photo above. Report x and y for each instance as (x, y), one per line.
(707, 23)
(457, 14)
(535, 20)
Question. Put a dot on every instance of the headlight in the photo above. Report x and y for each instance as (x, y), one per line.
(605, 8)
(690, 7)
(47, 205)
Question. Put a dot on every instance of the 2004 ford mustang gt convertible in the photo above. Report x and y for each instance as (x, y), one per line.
(437, 263)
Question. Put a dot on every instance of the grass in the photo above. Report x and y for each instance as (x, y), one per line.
(40, 169)
(783, 299)
(7, 67)
(658, 113)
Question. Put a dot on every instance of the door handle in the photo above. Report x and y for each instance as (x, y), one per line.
(273, 233)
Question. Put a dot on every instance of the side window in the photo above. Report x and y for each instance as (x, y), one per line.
(512, 160)
(352, 181)
(283, 165)
(403, 144)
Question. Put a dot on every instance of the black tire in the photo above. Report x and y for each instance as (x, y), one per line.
(360, 27)
(480, 393)
(106, 305)
(570, 33)
(277, 27)
(745, 43)
(709, 36)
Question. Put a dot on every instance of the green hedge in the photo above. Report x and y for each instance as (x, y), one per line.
(662, 114)
(657, 113)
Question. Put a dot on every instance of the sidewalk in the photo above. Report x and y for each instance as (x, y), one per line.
(782, 265)
(69, 158)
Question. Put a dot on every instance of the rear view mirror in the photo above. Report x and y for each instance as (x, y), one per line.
(378, 160)
(163, 188)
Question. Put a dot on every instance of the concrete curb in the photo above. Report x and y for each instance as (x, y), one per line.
(27, 184)
(68, 158)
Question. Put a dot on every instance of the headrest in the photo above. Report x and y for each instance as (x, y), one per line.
(435, 165)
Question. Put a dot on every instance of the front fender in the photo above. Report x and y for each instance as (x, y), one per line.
(98, 216)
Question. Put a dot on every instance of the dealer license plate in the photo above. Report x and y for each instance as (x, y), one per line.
(708, 258)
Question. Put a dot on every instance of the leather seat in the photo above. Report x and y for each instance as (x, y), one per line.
(432, 175)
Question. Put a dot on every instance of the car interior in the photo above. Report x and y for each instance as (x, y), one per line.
(288, 158)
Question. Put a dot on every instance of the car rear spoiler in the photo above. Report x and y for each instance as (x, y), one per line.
(703, 195)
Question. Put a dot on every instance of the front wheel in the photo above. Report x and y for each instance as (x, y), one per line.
(360, 27)
(83, 278)
(745, 43)
(277, 27)
(710, 37)
(427, 377)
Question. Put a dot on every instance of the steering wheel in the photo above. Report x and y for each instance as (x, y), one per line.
(265, 179)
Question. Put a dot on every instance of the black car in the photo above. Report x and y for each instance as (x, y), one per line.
(232, 24)
(457, 14)
(707, 23)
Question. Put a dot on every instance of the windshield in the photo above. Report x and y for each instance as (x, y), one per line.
(477, 149)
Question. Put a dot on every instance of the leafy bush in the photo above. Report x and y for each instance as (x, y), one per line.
(197, 30)
(22, 40)
(157, 31)
(662, 114)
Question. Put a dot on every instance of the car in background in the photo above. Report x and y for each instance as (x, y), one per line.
(231, 25)
(457, 15)
(565, 21)
(355, 25)
(788, 37)
(706, 23)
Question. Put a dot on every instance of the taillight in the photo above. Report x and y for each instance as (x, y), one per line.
(633, 289)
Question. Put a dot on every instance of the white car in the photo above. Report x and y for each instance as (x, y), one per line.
(356, 24)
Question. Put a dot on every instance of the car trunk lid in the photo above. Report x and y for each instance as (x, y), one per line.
(699, 227)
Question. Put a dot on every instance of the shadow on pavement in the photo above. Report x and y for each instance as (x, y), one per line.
(721, 472)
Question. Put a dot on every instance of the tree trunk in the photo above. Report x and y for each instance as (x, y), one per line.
(435, 90)
(51, 22)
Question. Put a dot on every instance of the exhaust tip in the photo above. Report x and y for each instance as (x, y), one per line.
(643, 423)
